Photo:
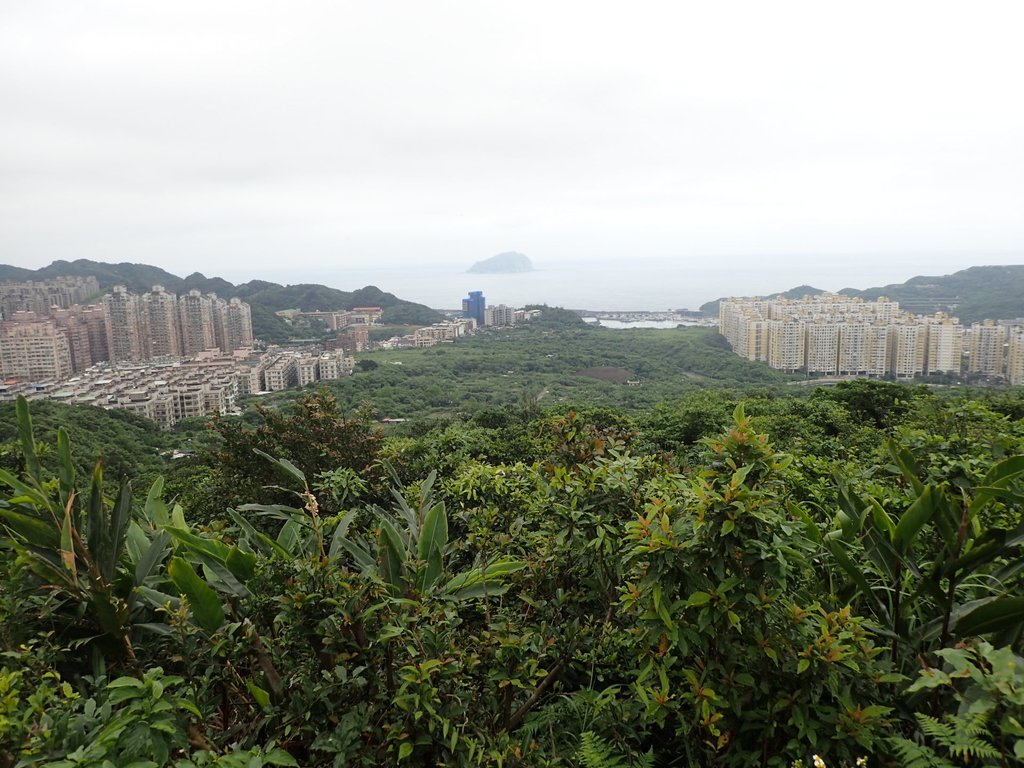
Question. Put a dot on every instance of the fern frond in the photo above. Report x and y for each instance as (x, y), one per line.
(914, 755)
(595, 753)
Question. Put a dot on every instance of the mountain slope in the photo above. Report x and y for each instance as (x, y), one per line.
(973, 295)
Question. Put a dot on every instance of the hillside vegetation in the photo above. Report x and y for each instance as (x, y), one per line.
(973, 295)
(724, 579)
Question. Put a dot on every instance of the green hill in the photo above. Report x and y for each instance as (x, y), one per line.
(973, 295)
(266, 298)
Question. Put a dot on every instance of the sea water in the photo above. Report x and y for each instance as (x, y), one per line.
(630, 284)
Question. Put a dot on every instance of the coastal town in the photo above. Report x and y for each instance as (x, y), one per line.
(170, 357)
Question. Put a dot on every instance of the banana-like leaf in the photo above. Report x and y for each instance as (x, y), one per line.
(340, 532)
(289, 468)
(279, 512)
(65, 469)
(67, 545)
(480, 589)
(159, 599)
(913, 520)
(391, 554)
(193, 543)
(811, 530)
(360, 553)
(97, 532)
(432, 545)
(119, 520)
(493, 572)
(29, 528)
(152, 557)
(258, 538)
(155, 510)
(202, 599)
(241, 564)
(996, 616)
(907, 465)
(32, 495)
(854, 572)
(996, 479)
(881, 519)
(27, 440)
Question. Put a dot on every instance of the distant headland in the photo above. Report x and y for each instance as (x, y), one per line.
(503, 263)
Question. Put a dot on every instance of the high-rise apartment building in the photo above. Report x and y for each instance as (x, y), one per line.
(908, 346)
(840, 335)
(1015, 355)
(196, 314)
(475, 306)
(40, 296)
(162, 310)
(786, 344)
(945, 345)
(499, 315)
(126, 328)
(233, 325)
(986, 349)
(34, 350)
(821, 347)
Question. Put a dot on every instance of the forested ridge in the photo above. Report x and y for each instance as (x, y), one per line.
(723, 577)
(975, 294)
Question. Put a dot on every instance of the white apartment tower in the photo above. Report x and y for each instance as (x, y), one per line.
(1015, 355)
(196, 313)
(162, 310)
(126, 326)
(34, 351)
(986, 349)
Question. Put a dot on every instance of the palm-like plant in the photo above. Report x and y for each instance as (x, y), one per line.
(81, 545)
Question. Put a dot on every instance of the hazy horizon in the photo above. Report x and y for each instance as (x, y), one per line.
(266, 138)
(606, 284)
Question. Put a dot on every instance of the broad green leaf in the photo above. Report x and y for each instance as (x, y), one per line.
(284, 464)
(907, 465)
(241, 564)
(119, 519)
(67, 544)
(30, 529)
(204, 602)
(479, 589)
(261, 696)
(27, 440)
(193, 543)
(98, 533)
(697, 599)
(28, 493)
(155, 510)
(432, 544)
(391, 558)
(911, 522)
(65, 467)
(258, 538)
(153, 556)
(136, 542)
(855, 573)
(994, 616)
(340, 532)
(279, 757)
(881, 519)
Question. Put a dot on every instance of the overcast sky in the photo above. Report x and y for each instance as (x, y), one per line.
(263, 139)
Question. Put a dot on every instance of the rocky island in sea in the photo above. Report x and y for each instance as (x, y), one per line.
(503, 263)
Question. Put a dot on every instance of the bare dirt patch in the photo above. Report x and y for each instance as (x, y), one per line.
(607, 373)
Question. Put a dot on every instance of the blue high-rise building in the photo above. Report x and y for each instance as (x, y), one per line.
(475, 306)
